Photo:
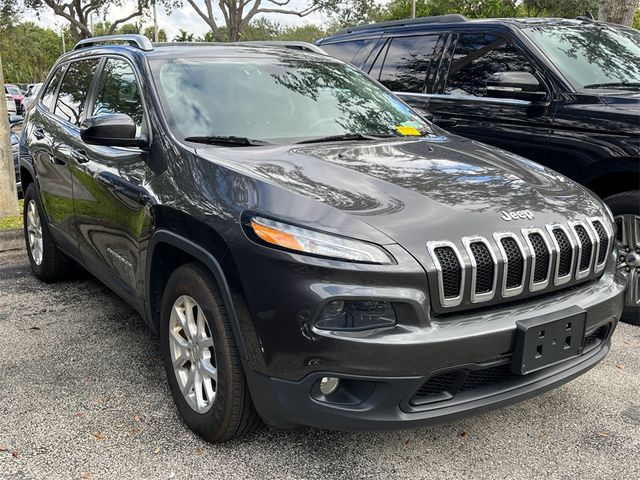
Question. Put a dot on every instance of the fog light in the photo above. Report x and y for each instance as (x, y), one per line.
(329, 385)
(356, 315)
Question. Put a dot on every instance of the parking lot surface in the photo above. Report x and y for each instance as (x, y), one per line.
(83, 395)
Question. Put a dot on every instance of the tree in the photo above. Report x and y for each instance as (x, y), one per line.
(238, 14)
(79, 12)
(183, 36)
(162, 34)
(618, 11)
(29, 51)
(8, 193)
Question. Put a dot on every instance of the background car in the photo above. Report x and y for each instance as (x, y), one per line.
(15, 150)
(30, 95)
(16, 94)
(11, 105)
(564, 93)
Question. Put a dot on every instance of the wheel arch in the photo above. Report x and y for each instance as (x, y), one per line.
(623, 177)
(167, 251)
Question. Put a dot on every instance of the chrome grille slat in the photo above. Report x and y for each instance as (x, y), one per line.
(513, 263)
(475, 251)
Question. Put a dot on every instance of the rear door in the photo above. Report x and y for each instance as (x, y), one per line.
(52, 133)
(461, 104)
(109, 192)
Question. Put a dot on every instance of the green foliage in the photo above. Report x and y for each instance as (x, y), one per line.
(28, 52)
(184, 36)
(636, 19)
(162, 34)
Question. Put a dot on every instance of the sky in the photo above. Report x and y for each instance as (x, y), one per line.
(182, 18)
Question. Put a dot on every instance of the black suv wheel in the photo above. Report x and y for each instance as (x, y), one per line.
(626, 211)
(201, 358)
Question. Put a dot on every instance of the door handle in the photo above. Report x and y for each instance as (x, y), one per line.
(79, 156)
(445, 122)
(38, 132)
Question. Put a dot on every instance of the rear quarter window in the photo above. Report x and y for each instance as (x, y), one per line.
(354, 51)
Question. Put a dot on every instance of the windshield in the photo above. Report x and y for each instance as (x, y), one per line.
(13, 90)
(592, 55)
(278, 100)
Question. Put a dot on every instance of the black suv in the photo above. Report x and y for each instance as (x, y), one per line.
(564, 93)
(309, 249)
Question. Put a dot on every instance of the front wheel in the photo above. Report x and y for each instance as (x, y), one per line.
(201, 358)
(626, 211)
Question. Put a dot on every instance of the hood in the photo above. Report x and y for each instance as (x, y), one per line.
(622, 102)
(436, 188)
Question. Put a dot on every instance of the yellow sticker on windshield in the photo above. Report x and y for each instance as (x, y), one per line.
(407, 130)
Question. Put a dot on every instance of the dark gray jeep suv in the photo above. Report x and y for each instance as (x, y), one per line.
(309, 249)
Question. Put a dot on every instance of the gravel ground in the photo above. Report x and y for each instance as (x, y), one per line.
(83, 395)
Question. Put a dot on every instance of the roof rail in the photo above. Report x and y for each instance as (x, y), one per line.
(138, 41)
(452, 18)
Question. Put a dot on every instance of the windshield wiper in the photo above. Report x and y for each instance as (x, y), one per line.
(227, 140)
(614, 85)
(349, 137)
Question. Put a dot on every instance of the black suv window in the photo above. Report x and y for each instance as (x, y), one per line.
(477, 57)
(118, 92)
(50, 93)
(407, 61)
(354, 51)
(74, 88)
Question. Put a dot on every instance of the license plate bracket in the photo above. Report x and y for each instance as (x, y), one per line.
(549, 339)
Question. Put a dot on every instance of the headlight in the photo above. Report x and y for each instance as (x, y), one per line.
(298, 239)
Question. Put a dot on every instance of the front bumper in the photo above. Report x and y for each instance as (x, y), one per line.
(381, 396)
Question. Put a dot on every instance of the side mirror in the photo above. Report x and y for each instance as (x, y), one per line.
(516, 85)
(111, 130)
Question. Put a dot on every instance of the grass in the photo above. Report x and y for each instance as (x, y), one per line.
(13, 222)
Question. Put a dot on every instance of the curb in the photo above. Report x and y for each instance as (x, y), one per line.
(11, 240)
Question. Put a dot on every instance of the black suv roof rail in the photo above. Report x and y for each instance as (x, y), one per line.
(452, 18)
(138, 41)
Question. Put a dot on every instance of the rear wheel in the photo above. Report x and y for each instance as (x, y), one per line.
(201, 358)
(47, 262)
(626, 211)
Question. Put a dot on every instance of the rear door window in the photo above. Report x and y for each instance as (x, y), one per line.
(49, 95)
(407, 62)
(477, 57)
(74, 89)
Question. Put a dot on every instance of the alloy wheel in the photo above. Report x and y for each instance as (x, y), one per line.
(192, 354)
(629, 256)
(34, 232)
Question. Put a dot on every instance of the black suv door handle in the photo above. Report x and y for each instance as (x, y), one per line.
(38, 132)
(79, 156)
(445, 122)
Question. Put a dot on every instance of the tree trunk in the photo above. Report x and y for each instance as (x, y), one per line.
(617, 11)
(8, 192)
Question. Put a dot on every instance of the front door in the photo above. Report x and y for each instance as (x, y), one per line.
(462, 105)
(109, 194)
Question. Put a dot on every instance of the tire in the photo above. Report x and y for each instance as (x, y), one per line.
(48, 263)
(230, 414)
(626, 210)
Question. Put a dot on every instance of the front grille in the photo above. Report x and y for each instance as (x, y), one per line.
(586, 247)
(507, 265)
(515, 262)
(541, 269)
(485, 267)
(604, 241)
(566, 252)
(451, 271)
